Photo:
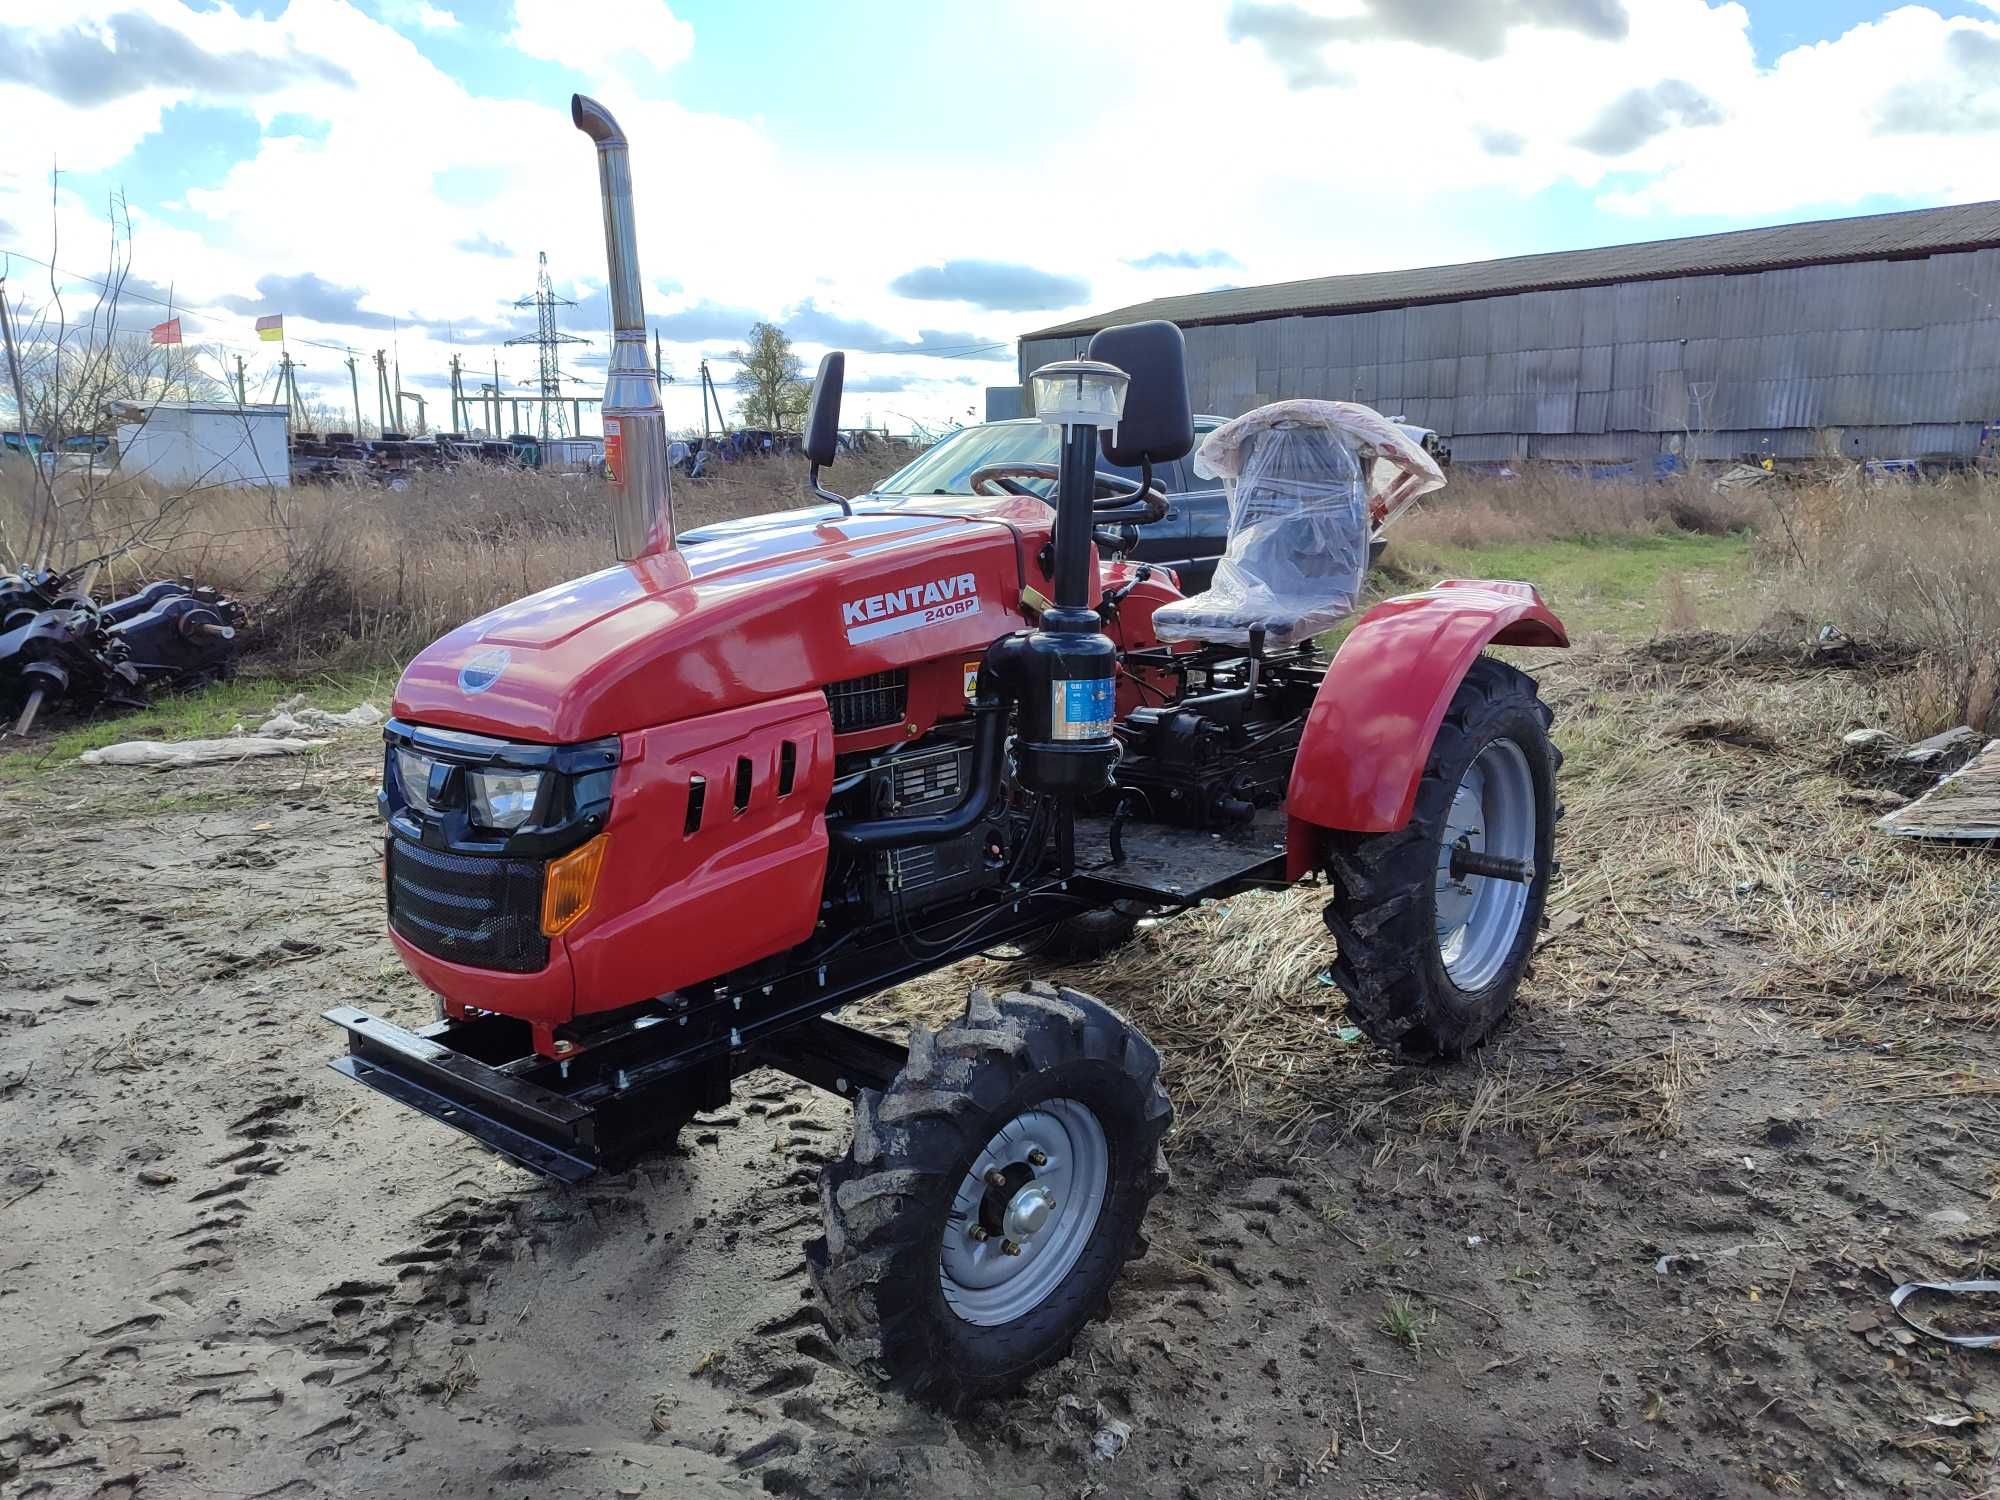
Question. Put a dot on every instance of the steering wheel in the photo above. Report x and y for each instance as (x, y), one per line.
(1114, 498)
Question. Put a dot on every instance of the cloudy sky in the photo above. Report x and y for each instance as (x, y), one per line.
(920, 183)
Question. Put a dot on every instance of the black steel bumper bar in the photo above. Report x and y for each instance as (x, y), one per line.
(603, 1125)
(528, 1124)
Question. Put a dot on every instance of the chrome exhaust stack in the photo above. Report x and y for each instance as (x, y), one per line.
(635, 427)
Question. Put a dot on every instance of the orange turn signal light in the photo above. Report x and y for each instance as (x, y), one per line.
(570, 884)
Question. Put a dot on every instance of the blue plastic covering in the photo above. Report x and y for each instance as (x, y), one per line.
(1662, 466)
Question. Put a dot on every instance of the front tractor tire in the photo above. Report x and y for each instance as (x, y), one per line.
(1429, 954)
(992, 1194)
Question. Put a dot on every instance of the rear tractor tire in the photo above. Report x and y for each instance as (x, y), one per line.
(1429, 955)
(992, 1194)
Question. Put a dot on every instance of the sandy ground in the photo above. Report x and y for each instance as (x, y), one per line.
(1641, 1245)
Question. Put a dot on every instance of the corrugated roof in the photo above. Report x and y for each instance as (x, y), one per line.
(1922, 231)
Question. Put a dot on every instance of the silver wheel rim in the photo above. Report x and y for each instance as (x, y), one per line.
(1479, 916)
(1047, 1213)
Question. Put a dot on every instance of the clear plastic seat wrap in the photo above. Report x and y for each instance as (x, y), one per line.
(1300, 518)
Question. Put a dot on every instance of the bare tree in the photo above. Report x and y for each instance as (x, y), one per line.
(318, 414)
(81, 376)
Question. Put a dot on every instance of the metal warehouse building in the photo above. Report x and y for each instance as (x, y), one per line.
(1874, 337)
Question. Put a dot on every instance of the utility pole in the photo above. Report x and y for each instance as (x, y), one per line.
(381, 392)
(709, 393)
(241, 399)
(399, 395)
(457, 398)
(496, 399)
(354, 384)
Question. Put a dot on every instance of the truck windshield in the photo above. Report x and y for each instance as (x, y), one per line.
(947, 467)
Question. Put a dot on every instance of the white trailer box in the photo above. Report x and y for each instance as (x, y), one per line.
(205, 445)
(572, 452)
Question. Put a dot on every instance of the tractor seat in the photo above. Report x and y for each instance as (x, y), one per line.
(1298, 544)
(1286, 549)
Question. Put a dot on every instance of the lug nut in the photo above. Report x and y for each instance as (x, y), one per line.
(996, 1178)
(1008, 1247)
(978, 1232)
(1038, 1158)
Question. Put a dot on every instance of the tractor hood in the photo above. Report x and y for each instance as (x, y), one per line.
(737, 620)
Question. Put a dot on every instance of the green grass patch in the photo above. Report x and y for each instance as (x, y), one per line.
(1619, 585)
(207, 714)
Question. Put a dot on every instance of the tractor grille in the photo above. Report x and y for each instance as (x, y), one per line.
(468, 910)
(868, 702)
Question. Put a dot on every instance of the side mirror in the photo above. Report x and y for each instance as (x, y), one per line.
(823, 426)
(1158, 425)
(823, 409)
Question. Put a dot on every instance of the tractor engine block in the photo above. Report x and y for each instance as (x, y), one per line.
(919, 780)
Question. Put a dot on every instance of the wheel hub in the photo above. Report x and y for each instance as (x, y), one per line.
(1462, 831)
(1027, 1211)
(1023, 1213)
(1478, 916)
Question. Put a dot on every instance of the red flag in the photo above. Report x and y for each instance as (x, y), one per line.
(168, 332)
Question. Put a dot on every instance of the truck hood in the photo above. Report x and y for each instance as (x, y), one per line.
(874, 504)
(791, 604)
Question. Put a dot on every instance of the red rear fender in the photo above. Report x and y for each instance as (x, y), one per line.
(1370, 729)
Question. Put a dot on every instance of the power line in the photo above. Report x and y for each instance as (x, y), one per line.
(949, 351)
(126, 295)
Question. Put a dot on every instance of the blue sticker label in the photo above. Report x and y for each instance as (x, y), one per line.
(480, 673)
(1082, 709)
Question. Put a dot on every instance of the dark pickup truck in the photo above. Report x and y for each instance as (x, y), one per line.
(1189, 540)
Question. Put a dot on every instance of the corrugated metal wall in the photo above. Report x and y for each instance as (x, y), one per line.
(1888, 359)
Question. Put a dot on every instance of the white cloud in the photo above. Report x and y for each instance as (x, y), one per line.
(1883, 109)
(418, 14)
(602, 36)
(1370, 174)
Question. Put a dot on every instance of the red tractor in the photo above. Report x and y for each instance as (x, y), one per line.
(649, 830)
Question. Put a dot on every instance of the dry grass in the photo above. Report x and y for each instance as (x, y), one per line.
(1765, 841)
(1544, 502)
(1917, 564)
(352, 576)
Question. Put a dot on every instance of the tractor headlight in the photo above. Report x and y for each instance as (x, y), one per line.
(478, 795)
(503, 800)
(414, 771)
